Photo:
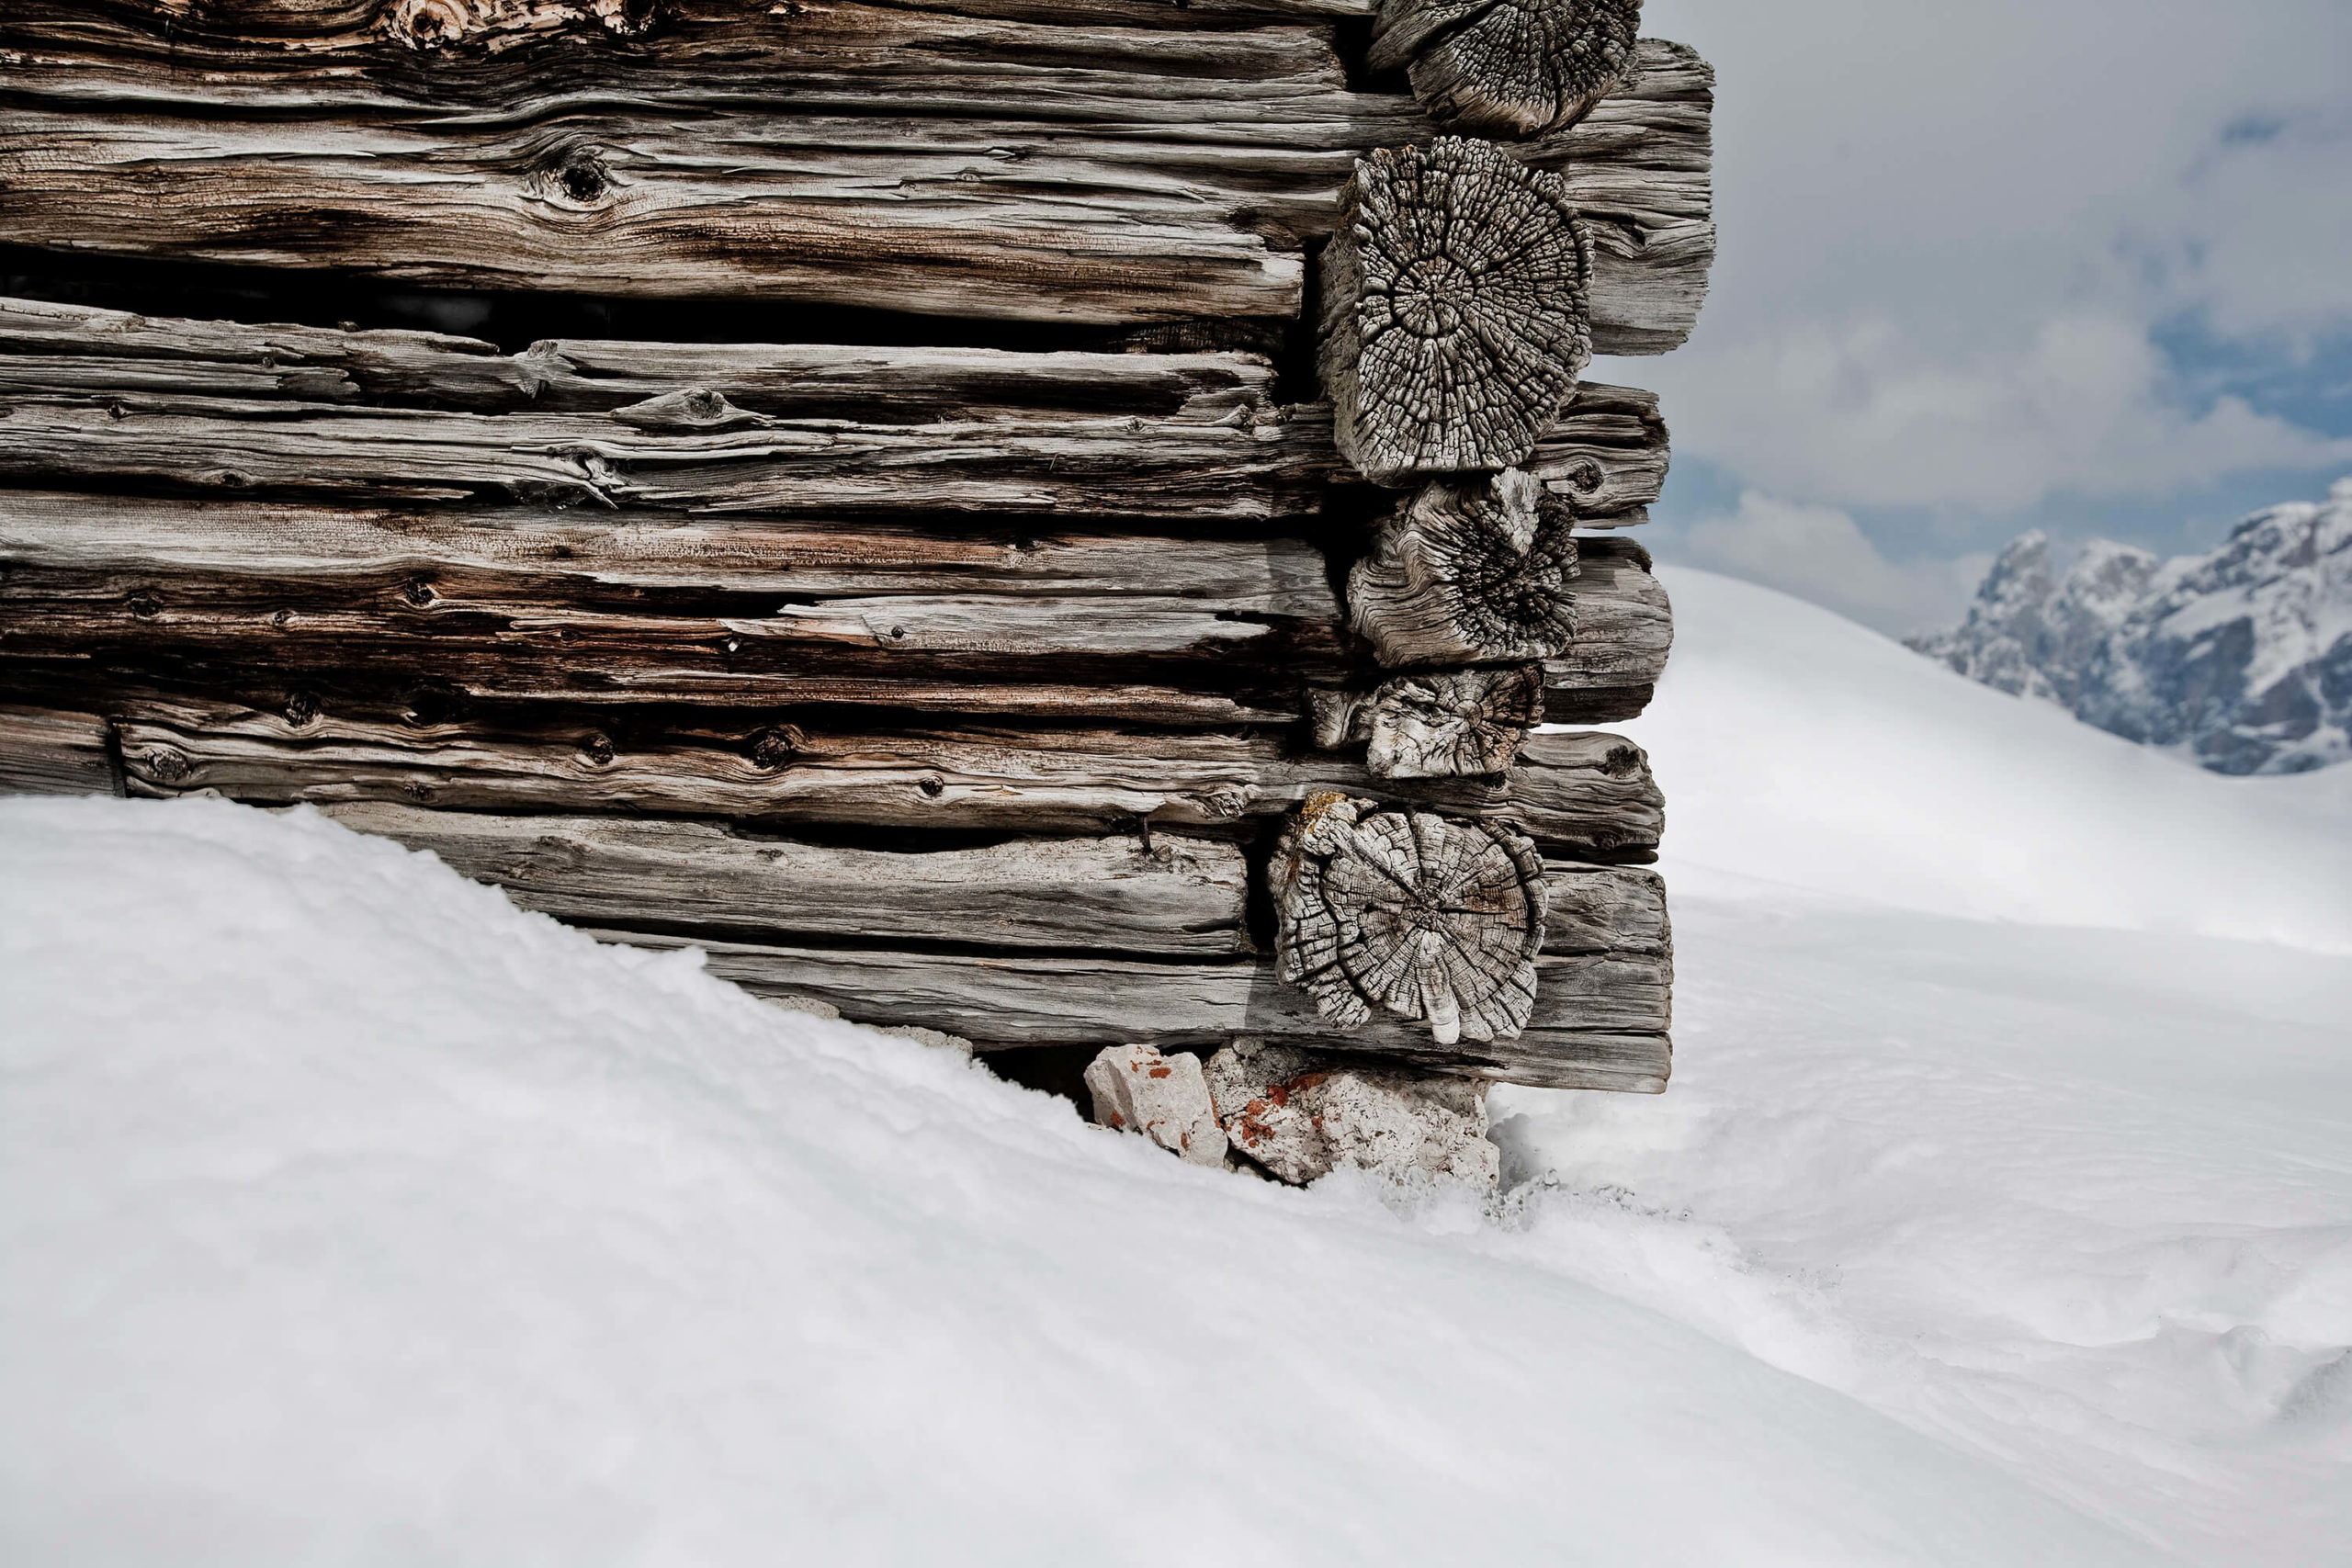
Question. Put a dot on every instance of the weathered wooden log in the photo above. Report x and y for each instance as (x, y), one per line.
(1456, 316)
(845, 156)
(1436, 724)
(1586, 796)
(43, 751)
(1083, 467)
(588, 607)
(1176, 895)
(47, 347)
(1600, 1022)
(1509, 68)
(1624, 632)
(1470, 570)
(1381, 907)
(1014, 417)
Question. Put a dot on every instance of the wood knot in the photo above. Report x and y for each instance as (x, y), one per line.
(1586, 476)
(697, 408)
(167, 763)
(144, 606)
(598, 749)
(775, 748)
(417, 591)
(302, 708)
(932, 787)
(577, 177)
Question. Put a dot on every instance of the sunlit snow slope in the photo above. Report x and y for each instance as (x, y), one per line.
(349, 1214)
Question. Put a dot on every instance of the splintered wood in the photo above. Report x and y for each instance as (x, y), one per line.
(1509, 68)
(1020, 643)
(1470, 570)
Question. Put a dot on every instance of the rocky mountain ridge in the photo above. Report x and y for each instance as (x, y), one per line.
(2240, 658)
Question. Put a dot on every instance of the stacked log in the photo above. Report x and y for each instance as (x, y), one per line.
(1046, 663)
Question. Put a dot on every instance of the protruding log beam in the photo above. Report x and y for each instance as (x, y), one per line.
(1509, 68)
(44, 751)
(1625, 632)
(1585, 796)
(872, 157)
(1174, 895)
(1456, 315)
(103, 398)
(1600, 1022)
(1395, 910)
(1438, 724)
(1469, 572)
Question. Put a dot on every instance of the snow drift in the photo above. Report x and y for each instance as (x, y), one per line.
(349, 1214)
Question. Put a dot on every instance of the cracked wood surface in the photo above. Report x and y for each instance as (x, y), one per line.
(1509, 68)
(1599, 1020)
(1468, 571)
(1436, 724)
(573, 606)
(868, 156)
(107, 398)
(1386, 908)
(1178, 895)
(1584, 796)
(1456, 310)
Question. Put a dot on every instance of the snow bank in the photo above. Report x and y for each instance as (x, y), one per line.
(350, 1215)
(1799, 749)
(2000, 1213)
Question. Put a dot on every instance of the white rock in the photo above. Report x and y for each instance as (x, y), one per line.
(1166, 1098)
(1302, 1117)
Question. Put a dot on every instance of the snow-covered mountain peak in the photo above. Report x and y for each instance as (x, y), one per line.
(2242, 657)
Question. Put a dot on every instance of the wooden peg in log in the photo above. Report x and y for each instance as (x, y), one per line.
(1509, 68)
(1456, 317)
(1469, 572)
(1441, 724)
(1382, 907)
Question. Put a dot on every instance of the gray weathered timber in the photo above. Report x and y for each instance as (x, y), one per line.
(1386, 909)
(1456, 310)
(1584, 794)
(102, 397)
(1469, 570)
(1179, 896)
(1111, 175)
(1599, 1020)
(628, 614)
(44, 751)
(1435, 724)
(1624, 632)
(1127, 467)
(63, 348)
(531, 559)
(1606, 908)
(1509, 68)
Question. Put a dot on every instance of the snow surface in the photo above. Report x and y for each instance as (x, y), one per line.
(2000, 1213)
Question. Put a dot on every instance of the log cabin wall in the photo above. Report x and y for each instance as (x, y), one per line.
(1018, 502)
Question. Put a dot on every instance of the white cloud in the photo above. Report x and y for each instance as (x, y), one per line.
(1950, 235)
(1818, 553)
(1861, 413)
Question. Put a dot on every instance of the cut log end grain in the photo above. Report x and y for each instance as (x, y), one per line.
(1457, 316)
(1469, 572)
(1384, 907)
(1439, 724)
(1509, 68)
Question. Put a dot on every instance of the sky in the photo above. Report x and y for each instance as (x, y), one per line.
(2080, 266)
